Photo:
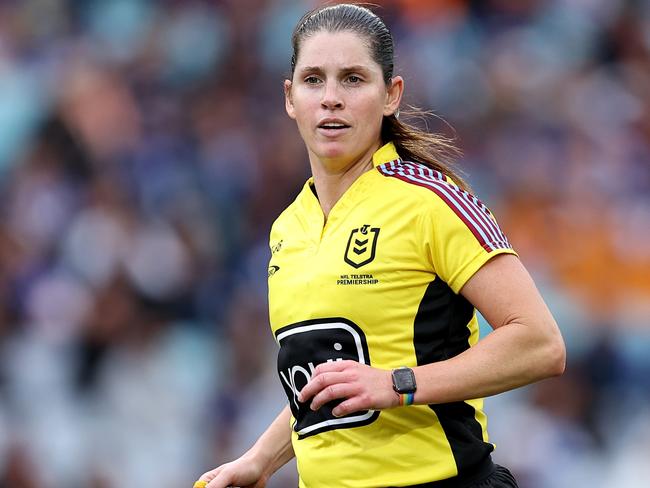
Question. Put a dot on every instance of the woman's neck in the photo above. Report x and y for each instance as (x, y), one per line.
(332, 180)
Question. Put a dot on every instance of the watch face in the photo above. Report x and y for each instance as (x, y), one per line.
(404, 380)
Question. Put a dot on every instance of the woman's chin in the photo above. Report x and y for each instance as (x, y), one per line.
(333, 150)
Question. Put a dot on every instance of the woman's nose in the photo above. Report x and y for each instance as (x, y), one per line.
(332, 97)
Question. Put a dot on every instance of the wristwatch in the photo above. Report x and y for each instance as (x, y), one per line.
(404, 380)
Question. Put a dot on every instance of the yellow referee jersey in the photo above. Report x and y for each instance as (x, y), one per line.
(378, 283)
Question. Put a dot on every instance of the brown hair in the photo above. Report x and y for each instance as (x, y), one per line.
(411, 142)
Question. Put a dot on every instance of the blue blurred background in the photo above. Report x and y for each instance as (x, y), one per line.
(144, 153)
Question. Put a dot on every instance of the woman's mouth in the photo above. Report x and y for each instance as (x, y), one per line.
(332, 128)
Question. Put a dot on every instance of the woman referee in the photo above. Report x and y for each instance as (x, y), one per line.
(377, 270)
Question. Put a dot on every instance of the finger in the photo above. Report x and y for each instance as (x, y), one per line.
(209, 475)
(222, 480)
(351, 405)
(333, 366)
(317, 383)
(333, 392)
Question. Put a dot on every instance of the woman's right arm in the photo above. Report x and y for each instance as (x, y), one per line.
(271, 451)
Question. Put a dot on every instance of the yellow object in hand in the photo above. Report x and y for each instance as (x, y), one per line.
(200, 484)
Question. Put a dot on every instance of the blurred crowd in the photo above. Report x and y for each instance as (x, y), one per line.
(145, 152)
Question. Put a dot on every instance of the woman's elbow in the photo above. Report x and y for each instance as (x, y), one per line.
(555, 356)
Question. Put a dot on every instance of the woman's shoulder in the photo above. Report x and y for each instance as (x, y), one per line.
(419, 183)
(443, 203)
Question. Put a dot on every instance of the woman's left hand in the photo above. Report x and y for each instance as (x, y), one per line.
(363, 387)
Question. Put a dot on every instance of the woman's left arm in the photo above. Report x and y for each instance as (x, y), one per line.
(525, 346)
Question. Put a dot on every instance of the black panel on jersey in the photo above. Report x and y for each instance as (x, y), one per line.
(305, 345)
(441, 332)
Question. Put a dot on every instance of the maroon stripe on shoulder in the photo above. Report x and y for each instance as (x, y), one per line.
(467, 204)
(478, 236)
(469, 209)
(475, 210)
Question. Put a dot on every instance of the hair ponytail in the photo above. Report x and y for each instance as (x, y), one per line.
(417, 145)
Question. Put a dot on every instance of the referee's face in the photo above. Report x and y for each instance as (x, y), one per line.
(338, 98)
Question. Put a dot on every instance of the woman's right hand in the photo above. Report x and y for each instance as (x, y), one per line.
(244, 472)
(271, 451)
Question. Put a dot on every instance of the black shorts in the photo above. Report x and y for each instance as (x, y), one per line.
(501, 478)
(488, 475)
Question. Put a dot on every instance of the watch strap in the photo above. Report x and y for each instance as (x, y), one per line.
(406, 399)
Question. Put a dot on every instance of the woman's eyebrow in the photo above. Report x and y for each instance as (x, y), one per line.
(345, 69)
(356, 67)
(311, 69)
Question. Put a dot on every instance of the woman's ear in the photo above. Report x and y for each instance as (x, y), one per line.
(394, 95)
(288, 102)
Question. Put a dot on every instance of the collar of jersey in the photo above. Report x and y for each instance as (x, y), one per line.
(385, 154)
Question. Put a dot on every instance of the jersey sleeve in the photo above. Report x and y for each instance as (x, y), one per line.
(461, 235)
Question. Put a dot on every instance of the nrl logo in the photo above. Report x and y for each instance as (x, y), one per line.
(362, 245)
